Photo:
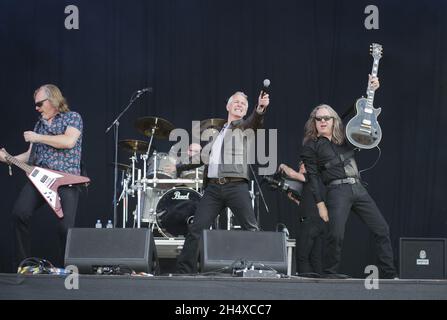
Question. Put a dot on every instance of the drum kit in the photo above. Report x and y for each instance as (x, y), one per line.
(165, 200)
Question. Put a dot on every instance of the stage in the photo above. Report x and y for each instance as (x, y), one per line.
(14, 287)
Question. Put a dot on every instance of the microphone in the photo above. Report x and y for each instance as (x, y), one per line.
(145, 90)
(265, 87)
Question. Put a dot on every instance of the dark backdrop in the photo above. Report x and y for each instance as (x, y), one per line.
(196, 53)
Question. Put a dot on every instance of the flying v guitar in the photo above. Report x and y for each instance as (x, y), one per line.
(48, 182)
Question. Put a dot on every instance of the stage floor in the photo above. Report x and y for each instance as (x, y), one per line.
(17, 287)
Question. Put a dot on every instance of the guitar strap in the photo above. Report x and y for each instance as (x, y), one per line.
(32, 156)
(342, 158)
(348, 161)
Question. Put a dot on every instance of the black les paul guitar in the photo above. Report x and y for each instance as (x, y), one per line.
(363, 131)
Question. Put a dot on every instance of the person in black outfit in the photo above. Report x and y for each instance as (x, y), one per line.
(225, 180)
(328, 156)
(311, 228)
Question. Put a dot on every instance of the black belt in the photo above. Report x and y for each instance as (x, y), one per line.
(222, 181)
(345, 181)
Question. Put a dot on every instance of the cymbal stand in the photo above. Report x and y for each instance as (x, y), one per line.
(125, 197)
(139, 204)
(258, 194)
(134, 160)
(144, 157)
(115, 124)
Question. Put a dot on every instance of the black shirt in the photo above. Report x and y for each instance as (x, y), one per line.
(316, 155)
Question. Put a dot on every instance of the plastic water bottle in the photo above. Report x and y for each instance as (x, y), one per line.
(109, 224)
(98, 224)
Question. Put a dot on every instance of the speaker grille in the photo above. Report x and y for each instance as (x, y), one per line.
(133, 248)
(422, 258)
(222, 248)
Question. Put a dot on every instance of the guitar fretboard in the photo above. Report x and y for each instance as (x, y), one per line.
(25, 167)
(370, 92)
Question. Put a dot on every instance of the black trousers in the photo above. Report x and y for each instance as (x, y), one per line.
(309, 244)
(26, 204)
(310, 235)
(233, 195)
(343, 198)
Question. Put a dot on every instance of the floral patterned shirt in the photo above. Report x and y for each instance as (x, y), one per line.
(65, 160)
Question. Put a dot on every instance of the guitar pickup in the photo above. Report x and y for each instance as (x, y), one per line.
(44, 178)
(368, 110)
(34, 173)
(367, 122)
(50, 182)
(365, 130)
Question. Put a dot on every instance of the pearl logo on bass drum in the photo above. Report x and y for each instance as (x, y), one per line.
(178, 196)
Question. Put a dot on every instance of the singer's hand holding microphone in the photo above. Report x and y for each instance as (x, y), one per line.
(264, 99)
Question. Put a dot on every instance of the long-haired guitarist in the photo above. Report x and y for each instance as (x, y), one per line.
(56, 144)
(328, 155)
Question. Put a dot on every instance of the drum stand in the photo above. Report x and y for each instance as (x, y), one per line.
(125, 197)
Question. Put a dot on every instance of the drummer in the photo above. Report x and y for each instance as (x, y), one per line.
(193, 151)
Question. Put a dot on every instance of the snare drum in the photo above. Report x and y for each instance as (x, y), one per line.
(176, 209)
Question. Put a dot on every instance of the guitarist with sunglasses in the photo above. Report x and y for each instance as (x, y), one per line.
(55, 144)
(328, 156)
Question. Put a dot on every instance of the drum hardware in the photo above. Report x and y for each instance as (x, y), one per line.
(126, 178)
(139, 186)
(133, 160)
(153, 127)
(257, 195)
(115, 124)
(161, 166)
(158, 180)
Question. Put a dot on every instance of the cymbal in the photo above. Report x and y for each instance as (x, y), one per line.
(121, 166)
(162, 127)
(134, 146)
(212, 124)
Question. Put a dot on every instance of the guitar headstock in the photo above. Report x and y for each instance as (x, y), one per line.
(376, 50)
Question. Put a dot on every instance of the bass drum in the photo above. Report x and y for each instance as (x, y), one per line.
(176, 209)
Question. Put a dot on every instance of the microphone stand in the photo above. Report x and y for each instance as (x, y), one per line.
(257, 194)
(115, 124)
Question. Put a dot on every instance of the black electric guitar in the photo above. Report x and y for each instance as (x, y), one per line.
(363, 131)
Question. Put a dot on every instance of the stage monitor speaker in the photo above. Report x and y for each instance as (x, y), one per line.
(223, 250)
(422, 258)
(110, 250)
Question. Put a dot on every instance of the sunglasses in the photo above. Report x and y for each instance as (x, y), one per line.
(325, 118)
(40, 103)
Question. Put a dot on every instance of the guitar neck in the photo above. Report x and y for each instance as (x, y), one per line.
(370, 92)
(22, 165)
